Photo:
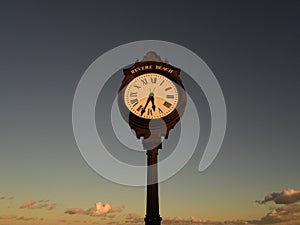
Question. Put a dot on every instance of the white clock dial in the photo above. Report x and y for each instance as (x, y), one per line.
(151, 96)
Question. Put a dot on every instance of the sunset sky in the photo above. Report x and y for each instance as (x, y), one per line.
(251, 46)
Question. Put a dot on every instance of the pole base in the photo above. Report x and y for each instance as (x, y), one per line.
(152, 220)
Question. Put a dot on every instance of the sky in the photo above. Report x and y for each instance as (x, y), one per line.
(252, 47)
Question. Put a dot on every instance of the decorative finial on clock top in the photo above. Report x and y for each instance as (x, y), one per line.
(151, 56)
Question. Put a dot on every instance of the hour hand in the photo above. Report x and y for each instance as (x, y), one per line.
(153, 105)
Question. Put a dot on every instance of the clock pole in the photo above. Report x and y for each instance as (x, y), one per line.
(152, 206)
(147, 123)
(152, 210)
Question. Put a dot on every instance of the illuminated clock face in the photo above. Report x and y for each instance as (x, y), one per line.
(151, 96)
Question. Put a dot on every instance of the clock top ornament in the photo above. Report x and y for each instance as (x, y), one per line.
(151, 99)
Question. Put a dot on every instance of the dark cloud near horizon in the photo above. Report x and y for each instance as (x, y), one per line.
(287, 196)
(287, 214)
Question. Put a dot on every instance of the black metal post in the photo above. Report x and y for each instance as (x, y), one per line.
(152, 209)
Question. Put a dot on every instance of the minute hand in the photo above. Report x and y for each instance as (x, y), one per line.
(144, 108)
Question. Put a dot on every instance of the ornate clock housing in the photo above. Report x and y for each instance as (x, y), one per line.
(151, 92)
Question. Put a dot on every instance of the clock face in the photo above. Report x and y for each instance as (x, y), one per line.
(151, 96)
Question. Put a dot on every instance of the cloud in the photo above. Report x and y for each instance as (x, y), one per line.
(72, 211)
(26, 218)
(112, 223)
(51, 207)
(6, 197)
(27, 204)
(99, 209)
(286, 214)
(287, 196)
(7, 217)
(41, 204)
(133, 218)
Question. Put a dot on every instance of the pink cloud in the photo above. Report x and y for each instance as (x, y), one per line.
(41, 204)
(27, 204)
(98, 209)
(7, 217)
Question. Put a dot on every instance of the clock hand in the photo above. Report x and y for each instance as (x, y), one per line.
(144, 108)
(152, 101)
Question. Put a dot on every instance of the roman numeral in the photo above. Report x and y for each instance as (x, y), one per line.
(170, 96)
(133, 94)
(138, 87)
(160, 111)
(134, 101)
(168, 88)
(153, 80)
(144, 81)
(161, 83)
(139, 108)
(167, 104)
(149, 112)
